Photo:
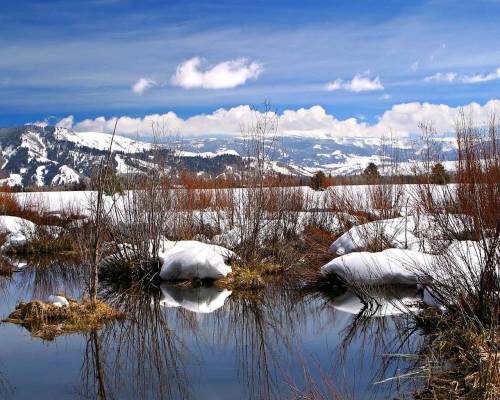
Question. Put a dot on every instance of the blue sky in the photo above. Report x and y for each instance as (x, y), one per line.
(83, 58)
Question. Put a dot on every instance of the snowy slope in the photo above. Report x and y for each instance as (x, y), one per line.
(101, 141)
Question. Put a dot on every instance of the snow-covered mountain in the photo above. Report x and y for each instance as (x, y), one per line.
(45, 155)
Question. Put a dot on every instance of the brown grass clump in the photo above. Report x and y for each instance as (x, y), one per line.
(472, 359)
(242, 279)
(249, 277)
(47, 321)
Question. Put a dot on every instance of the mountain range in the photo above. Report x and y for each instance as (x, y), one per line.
(34, 155)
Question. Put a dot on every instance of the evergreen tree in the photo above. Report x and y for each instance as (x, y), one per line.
(112, 183)
(371, 171)
(439, 176)
(319, 181)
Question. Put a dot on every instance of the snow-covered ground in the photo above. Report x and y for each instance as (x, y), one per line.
(58, 201)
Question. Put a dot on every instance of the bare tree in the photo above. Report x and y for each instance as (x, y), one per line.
(98, 216)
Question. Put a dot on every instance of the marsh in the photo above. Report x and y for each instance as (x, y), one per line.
(205, 342)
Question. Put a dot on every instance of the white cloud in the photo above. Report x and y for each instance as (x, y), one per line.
(66, 122)
(360, 83)
(477, 78)
(225, 75)
(442, 77)
(401, 119)
(454, 77)
(142, 85)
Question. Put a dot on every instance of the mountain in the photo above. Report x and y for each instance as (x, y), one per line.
(47, 155)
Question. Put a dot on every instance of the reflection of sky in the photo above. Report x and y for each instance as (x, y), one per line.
(215, 347)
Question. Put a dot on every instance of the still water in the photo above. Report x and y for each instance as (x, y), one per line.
(205, 343)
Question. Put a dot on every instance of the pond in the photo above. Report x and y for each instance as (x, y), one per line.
(191, 343)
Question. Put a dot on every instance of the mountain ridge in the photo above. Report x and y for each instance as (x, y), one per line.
(34, 155)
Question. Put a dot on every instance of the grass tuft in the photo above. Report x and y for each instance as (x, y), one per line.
(47, 321)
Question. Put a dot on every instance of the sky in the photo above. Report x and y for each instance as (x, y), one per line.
(329, 68)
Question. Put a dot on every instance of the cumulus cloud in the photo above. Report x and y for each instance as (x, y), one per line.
(315, 122)
(66, 122)
(360, 83)
(225, 75)
(451, 77)
(142, 85)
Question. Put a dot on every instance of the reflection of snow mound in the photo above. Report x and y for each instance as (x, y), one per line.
(199, 300)
(380, 304)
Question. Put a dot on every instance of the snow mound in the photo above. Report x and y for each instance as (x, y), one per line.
(17, 230)
(411, 232)
(192, 259)
(392, 266)
(394, 232)
(199, 300)
(58, 301)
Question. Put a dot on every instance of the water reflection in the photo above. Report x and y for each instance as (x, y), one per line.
(181, 342)
(42, 276)
(202, 299)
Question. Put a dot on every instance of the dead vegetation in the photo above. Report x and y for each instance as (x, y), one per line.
(47, 321)
(464, 355)
(6, 267)
(244, 277)
(463, 362)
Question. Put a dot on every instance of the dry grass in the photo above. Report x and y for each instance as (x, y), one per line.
(6, 267)
(250, 277)
(47, 321)
(47, 240)
(464, 362)
(34, 212)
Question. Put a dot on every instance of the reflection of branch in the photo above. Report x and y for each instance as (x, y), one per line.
(93, 367)
(147, 353)
(42, 277)
(6, 389)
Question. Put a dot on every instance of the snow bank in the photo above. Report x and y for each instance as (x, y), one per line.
(392, 266)
(58, 301)
(411, 232)
(190, 259)
(17, 229)
(199, 300)
(359, 237)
